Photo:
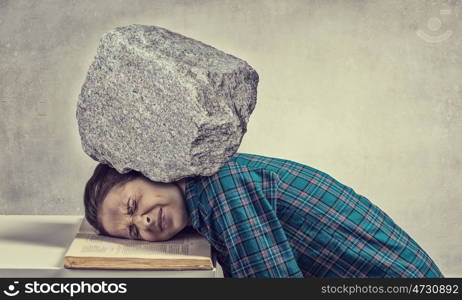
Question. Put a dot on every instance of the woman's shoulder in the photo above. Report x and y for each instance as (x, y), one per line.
(287, 170)
(280, 165)
(253, 161)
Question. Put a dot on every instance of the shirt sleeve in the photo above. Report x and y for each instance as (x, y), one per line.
(254, 241)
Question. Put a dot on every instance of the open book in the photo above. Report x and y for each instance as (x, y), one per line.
(186, 251)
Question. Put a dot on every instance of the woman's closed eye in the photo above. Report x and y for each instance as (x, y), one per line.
(131, 208)
(134, 232)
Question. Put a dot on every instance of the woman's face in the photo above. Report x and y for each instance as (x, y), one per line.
(143, 209)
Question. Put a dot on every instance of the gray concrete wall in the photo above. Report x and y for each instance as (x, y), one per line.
(368, 91)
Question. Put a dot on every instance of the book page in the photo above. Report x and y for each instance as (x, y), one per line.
(188, 244)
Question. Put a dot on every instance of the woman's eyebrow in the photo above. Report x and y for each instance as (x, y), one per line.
(127, 202)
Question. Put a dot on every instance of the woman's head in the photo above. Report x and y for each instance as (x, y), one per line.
(132, 206)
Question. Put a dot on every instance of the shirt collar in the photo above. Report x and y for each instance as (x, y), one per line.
(192, 200)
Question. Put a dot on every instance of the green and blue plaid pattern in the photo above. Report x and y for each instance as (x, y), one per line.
(271, 217)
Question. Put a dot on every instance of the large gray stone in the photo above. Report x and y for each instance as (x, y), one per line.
(164, 104)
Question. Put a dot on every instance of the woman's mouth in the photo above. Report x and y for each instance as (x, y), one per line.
(164, 220)
(160, 220)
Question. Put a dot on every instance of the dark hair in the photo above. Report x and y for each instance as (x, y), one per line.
(100, 183)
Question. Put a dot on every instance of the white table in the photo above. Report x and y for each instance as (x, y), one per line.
(34, 246)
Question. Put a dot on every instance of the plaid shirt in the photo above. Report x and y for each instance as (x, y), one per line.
(270, 217)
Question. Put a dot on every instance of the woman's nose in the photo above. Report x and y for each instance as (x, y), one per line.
(146, 220)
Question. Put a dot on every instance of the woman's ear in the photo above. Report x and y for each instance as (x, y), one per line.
(182, 185)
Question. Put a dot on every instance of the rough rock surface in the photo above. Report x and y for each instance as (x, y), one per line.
(164, 104)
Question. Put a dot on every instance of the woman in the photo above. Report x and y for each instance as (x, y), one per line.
(265, 217)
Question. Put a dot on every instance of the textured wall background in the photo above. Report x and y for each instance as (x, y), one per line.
(368, 91)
